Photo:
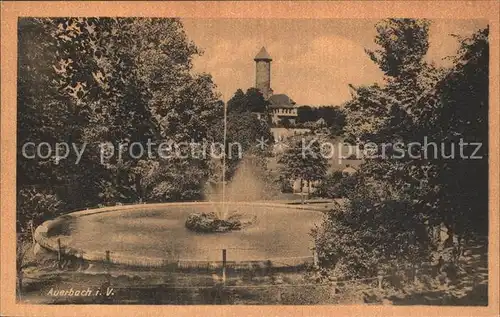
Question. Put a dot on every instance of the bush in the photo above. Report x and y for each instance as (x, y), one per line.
(329, 187)
(371, 231)
(336, 185)
(34, 207)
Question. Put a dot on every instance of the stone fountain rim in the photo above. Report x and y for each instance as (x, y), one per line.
(41, 233)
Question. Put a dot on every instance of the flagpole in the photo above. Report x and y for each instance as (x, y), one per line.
(224, 161)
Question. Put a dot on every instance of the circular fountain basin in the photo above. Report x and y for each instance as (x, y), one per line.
(154, 234)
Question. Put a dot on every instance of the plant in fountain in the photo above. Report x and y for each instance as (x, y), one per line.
(217, 220)
(211, 222)
(249, 183)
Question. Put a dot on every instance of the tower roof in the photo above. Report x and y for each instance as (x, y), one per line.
(281, 101)
(263, 55)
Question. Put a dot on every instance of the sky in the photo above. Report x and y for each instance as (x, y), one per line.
(314, 60)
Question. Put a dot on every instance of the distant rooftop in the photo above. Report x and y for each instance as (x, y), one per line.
(263, 55)
(281, 101)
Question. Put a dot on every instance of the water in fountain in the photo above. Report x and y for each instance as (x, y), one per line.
(248, 183)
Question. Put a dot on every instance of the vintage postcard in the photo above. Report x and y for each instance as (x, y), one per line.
(249, 158)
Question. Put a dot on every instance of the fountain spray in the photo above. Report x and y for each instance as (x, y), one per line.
(223, 214)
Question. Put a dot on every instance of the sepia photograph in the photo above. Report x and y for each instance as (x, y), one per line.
(182, 160)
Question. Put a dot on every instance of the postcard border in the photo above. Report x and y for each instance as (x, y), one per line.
(300, 10)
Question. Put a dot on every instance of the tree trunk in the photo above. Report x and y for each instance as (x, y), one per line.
(449, 240)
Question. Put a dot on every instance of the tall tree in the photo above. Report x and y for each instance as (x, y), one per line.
(403, 45)
(460, 101)
(306, 114)
(333, 116)
(417, 101)
(250, 101)
(118, 80)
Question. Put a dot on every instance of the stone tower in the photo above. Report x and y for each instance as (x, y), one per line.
(263, 73)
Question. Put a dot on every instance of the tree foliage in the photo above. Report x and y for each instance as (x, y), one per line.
(369, 230)
(403, 45)
(403, 197)
(304, 161)
(117, 80)
(336, 185)
(251, 101)
(333, 116)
